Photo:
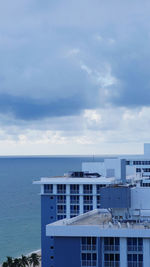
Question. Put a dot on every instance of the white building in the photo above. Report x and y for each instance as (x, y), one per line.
(137, 166)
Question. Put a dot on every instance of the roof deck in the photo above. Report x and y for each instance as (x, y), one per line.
(98, 223)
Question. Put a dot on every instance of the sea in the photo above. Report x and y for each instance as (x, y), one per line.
(20, 199)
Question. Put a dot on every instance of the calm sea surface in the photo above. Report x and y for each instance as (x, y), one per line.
(20, 199)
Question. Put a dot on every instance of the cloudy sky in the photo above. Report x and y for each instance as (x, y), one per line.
(74, 76)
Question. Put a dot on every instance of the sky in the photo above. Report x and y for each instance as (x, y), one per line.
(74, 77)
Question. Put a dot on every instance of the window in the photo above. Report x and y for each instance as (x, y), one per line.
(89, 243)
(111, 244)
(48, 188)
(61, 189)
(98, 188)
(74, 209)
(88, 199)
(146, 169)
(87, 189)
(134, 244)
(89, 259)
(61, 199)
(60, 217)
(61, 209)
(135, 260)
(74, 199)
(74, 189)
(134, 252)
(145, 162)
(145, 184)
(98, 202)
(111, 260)
(87, 208)
(88, 251)
(143, 169)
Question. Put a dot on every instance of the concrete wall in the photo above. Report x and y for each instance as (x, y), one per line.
(115, 197)
(94, 167)
(48, 215)
(140, 198)
(67, 252)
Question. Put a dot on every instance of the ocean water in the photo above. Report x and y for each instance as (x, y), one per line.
(20, 199)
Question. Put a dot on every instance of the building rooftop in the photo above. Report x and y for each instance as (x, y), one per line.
(98, 223)
(103, 219)
(75, 180)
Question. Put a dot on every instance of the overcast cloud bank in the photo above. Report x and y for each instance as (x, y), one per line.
(74, 72)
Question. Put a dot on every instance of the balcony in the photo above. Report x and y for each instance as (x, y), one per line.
(111, 247)
(135, 248)
(61, 191)
(74, 192)
(135, 264)
(74, 201)
(88, 201)
(88, 263)
(111, 264)
(87, 192)
(88, 247)
(61, 201)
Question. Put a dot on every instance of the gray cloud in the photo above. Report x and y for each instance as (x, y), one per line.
(40, 77)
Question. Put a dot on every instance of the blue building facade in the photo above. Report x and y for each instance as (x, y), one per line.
(65, 199)
(77, 251)
(86, 242)
(48, 215)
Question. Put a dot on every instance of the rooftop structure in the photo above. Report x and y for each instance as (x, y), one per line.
(98, 222)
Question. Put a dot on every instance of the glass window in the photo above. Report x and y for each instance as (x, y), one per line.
(88, 199)
(87, 208)
(61, 199)
(88, 248)
(61, 189)
(87, 189)
(111, 244)
(74, 189)
(48, 188)
(61, 209)
(74, 199)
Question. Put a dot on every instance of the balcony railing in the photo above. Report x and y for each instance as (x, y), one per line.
(135, 248)
(86, 191)
(111, 247)
(88, 201)
(61, 191)
(89, 263)
(74, 201)
(135, 264)
(89, 247)
(61, 201)
(61, 211)
(111, 264)
(74, 191)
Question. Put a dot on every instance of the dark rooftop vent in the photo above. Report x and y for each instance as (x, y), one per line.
(78, 174)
